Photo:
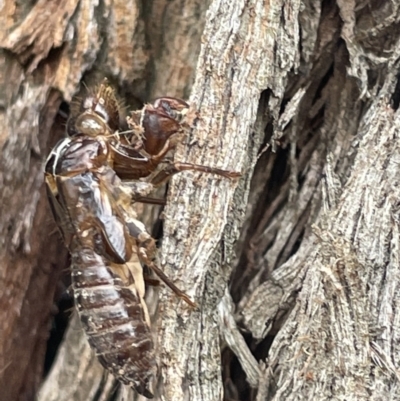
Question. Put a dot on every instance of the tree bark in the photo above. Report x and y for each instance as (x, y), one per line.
(294, 267)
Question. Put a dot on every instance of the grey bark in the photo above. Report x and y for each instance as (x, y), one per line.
(296, 265)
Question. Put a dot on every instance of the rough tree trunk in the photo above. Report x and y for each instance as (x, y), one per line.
(303, 98)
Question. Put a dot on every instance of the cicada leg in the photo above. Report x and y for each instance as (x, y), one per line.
(143, 255)
(151, 281)
(138, 191)
(147, 251)
(164, 175)
(151, 201)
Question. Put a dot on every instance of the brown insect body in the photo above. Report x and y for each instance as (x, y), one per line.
(92, 208)
(84, 193)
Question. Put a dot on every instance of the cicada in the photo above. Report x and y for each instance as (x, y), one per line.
(92, 177)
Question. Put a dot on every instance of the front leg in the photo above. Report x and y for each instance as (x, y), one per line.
(137, 191)
(149, 200)
(164, 175)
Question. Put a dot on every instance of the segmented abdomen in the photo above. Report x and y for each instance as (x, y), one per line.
(114, 320)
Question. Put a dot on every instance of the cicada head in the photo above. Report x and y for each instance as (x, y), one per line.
(96, 114)
(157, 122)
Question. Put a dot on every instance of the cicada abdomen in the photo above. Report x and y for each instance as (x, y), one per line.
(114, 320)
(84, 195)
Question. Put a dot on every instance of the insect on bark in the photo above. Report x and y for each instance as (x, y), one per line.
(92, 177)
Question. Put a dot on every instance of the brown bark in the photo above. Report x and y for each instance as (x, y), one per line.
(302, 97)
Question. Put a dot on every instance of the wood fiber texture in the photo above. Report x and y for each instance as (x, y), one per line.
(294, 267)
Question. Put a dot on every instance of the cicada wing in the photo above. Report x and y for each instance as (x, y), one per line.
(59, 212)
(89, 203)
(109, 217)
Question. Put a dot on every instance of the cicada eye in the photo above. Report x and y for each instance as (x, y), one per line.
(172, 107)
(166, 106)
(90, 123)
